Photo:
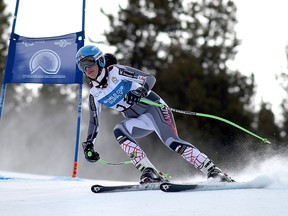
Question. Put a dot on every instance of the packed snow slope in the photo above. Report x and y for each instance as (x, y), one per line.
(29, 195)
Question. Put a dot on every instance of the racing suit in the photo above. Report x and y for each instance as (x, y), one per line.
(140, 119)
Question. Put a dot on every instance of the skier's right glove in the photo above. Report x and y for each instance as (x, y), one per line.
(89, 152)
(134, 96)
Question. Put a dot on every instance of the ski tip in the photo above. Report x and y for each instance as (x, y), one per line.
(165, 186)
(96, 188)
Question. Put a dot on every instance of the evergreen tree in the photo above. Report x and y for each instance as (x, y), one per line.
(199, 67)
(284, 129)
(17, 96)
(4, 25)
(187, 45)
(284, 104)
(267, 124)
(135, 33)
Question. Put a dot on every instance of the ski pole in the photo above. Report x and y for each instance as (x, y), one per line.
(114, 164)
(166, 175)
(204, 115)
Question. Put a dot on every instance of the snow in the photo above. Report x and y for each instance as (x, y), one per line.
(28, 195)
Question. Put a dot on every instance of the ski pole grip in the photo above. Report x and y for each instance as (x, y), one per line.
(152, 103)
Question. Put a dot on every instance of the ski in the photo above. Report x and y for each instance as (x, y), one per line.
(171, 187)
(124, 188)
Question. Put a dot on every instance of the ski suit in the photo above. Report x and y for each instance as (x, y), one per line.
(140, 119)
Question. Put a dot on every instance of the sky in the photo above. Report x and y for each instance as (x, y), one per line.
(261, 52)
(29, 195)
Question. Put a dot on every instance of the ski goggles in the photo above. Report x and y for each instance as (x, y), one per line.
(88, 62)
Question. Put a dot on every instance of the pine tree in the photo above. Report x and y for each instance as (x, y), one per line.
(284, 128)
(135, 33)
(284, 104)
(208, 85)
(187, 46)
(4, 25)
(267, 124)
(18, 95)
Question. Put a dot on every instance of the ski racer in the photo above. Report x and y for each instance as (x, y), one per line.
(121, 88)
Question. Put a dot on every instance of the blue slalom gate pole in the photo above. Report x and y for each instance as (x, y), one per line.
(4, 84)
(79, 114)
(75, 164)
(2, 99)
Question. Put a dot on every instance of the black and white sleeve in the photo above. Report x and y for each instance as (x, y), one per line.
(94, 124)
(147, 80)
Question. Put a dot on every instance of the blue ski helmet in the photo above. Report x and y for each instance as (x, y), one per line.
(88, 56)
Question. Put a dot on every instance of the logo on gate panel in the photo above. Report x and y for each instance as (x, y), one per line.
(63, 43)
(46, 61)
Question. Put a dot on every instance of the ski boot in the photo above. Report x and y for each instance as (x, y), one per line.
(150, 175)
(216, 173)
(209, 168)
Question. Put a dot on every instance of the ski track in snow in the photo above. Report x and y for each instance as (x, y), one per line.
(29, 195)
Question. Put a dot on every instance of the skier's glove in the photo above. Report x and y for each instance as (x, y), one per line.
(134, 96)
(89, 152)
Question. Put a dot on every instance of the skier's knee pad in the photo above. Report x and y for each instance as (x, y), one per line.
(118, 132)
(178, 147)
(119, 135)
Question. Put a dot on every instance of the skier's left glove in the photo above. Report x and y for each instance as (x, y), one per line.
(134, 96)
(89, 152)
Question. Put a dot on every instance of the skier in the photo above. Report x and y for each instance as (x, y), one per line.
(121, 88)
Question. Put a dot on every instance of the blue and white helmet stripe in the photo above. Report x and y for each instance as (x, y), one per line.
(90, 50)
